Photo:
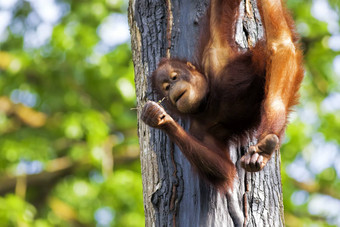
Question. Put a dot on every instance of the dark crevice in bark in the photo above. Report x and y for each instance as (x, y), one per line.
(249, 28)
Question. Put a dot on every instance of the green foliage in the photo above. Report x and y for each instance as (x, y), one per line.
(310, 156)
(68, 142)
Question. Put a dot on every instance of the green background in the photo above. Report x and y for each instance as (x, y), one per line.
(69, 152)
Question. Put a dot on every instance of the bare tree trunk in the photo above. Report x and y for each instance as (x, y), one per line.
(173, 194)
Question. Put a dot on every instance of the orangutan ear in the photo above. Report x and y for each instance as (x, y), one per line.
(191, 66)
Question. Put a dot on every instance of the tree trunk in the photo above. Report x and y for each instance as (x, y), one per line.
(173, 193)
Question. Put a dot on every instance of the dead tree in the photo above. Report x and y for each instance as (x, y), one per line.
(173, 193)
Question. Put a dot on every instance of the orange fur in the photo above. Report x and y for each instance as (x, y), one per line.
(283, 64)
(245, 91)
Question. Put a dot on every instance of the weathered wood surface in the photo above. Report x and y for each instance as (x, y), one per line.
(173, 194)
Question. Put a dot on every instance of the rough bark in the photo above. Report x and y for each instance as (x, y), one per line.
(173, 194)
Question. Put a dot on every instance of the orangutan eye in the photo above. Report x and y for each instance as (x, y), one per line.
(166, 86)
(173, 75)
